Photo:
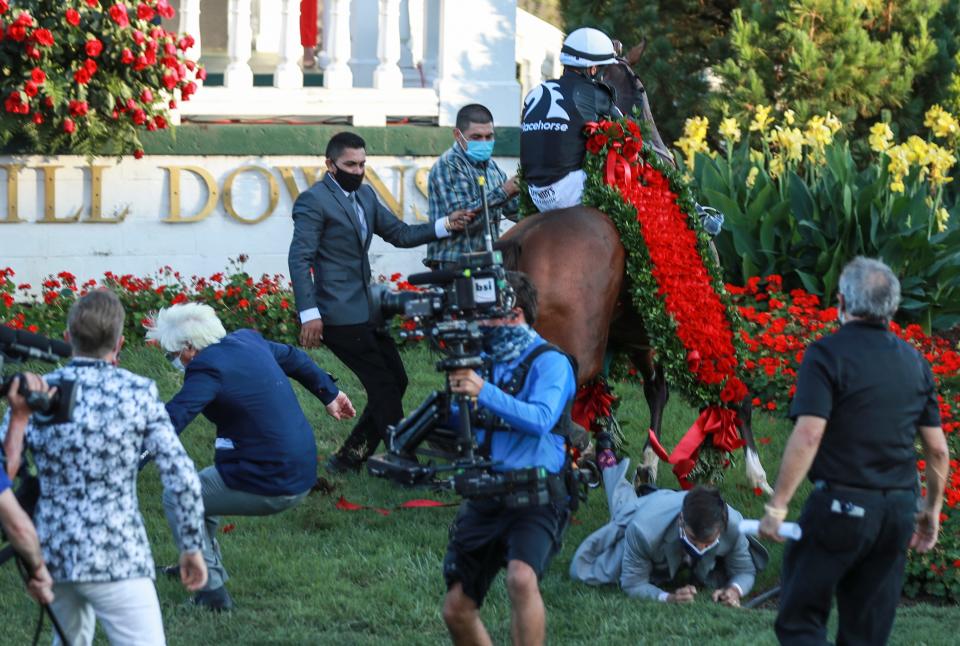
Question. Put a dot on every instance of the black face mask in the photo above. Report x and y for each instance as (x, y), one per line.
(347, 181)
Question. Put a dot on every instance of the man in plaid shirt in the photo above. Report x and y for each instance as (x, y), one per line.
(453, 187)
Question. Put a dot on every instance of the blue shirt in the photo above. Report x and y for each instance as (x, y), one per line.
(265, 445)
(4, 481)
(529, 440)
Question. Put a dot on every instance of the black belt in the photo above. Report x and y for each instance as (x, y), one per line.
(823, 485)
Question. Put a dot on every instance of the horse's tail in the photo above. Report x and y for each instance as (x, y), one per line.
(511, 253)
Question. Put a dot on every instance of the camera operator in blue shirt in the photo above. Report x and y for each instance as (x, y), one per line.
(520, 433)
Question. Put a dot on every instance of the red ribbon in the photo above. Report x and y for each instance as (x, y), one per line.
(418, 503)
(615, 162)
(593, 400)
(718, 421)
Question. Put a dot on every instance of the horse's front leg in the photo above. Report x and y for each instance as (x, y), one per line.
(755, 472)
(656, 392)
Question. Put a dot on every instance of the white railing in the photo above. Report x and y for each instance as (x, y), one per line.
(379, 59)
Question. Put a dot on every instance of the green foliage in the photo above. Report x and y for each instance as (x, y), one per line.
(818, 56)
(684, 38)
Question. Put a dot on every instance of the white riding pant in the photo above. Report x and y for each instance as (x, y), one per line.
(565, 192)
(128, 610)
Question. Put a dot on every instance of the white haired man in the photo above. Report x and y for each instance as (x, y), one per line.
(862, 397)
(266, 454)
(92, 534)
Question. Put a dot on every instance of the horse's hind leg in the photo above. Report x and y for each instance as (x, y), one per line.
(756, 475)
(656, 392)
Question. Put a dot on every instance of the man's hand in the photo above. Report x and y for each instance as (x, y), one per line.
(341, 407)
(465, 382)
(458, 220)
(511, 187)
(686, 594)
(18, 403)
(193, 571)
(40, 586)
(311, 333)
(727, 596)
(770, 528)
(925, 535)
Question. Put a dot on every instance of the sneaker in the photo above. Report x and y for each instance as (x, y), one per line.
(338, 465)
(216, 600)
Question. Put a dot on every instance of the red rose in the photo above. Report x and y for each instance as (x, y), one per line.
(43, 37)
(131, 104)
(24, 19)
(17, 32)
(156, 33)
(170, 48)
(73, 17)
(78, 108)
(92, 3)
(160, 122)
(141, 63)
(118, 14)
(38, 75)
(12, 102)
(202, 74)
(151, 126)
(138, 154)
(144, 12)
(33, 52)
(94, 47)
(48, 102)
(69, 126)
(4, 6)
(165, 10)
(146, 96)
(90, 65)
(37, 118)
(139, 117)
(138, 37)
(185, 43)
(115, 115)
(82, 76)
(596, 143)
(126, 56)
(170, 80)
(31, 88)
(187, 90)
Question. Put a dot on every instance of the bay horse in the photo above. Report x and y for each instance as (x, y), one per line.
(576, 260)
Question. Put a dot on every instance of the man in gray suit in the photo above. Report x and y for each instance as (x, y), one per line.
(334, 222)
(677, 539)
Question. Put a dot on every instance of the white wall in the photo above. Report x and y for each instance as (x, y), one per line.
(143, 242)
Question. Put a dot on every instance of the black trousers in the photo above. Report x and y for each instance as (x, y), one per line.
(854, 546)
(372, 355)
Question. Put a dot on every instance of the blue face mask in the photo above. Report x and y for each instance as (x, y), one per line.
(479, 151)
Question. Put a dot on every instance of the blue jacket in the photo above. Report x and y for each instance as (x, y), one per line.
(531, 414)
(265, 444)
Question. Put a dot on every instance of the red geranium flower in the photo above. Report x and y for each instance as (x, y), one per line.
(94, 47)
(118, 14)
(144, 12)
(73, 17)
(69, 126)
(43, 37)
(38, 75)
(126, 56)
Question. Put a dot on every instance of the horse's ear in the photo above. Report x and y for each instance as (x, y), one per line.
(636, 53)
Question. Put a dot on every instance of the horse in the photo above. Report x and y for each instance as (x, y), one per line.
(576, 260)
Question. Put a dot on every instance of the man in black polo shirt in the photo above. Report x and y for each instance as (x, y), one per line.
(862, 395)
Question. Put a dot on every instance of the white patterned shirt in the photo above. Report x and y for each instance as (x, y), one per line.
(88, 518)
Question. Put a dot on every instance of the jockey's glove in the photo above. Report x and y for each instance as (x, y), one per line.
(710, 218)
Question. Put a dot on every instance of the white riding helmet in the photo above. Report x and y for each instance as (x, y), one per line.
(586, 47)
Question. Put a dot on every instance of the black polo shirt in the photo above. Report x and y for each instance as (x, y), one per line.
(874, 390)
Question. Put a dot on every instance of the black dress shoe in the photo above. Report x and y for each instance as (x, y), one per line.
(338, 464)
(216, 600)
(171, 571)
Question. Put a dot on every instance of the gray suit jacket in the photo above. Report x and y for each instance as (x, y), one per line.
(326, 239)
(640, 547)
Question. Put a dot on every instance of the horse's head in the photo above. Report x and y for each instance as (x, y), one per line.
(626, 85)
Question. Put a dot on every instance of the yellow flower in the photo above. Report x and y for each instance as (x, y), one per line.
(756, 156)
(880, 137)
(789, 141)
(730, 129)
(752, 176)
(917, 150)
(897, 185)
(789, 116)
(833, 123)
(940, 161)
(761, 119)
(898, 167)
(817, 137)
(696, 128)
(776, 166)
(942, 219)
(942, 123)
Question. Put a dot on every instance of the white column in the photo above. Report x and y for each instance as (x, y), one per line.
(387, 76)
(288, 73)
(337, 73)
(239, 37)
(269, 30)
(190, 24)
(477, 59)
(325, 35)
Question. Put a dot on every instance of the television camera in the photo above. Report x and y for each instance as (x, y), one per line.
(17, 345)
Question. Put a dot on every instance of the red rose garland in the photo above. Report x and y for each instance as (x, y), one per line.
(686, 299)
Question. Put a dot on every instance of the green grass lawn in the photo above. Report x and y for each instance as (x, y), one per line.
(316, 575)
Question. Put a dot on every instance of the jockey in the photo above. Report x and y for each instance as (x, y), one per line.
(552, 143)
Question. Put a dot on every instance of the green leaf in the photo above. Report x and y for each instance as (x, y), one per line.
(801, 201)
(810, 282)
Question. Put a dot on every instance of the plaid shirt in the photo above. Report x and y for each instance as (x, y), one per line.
(453, 186)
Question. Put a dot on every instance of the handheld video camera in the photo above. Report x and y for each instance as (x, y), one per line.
(17, 345)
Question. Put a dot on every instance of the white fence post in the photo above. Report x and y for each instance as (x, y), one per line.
(337, 73)
(288, 73)
(239, 36)
(387, 76)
